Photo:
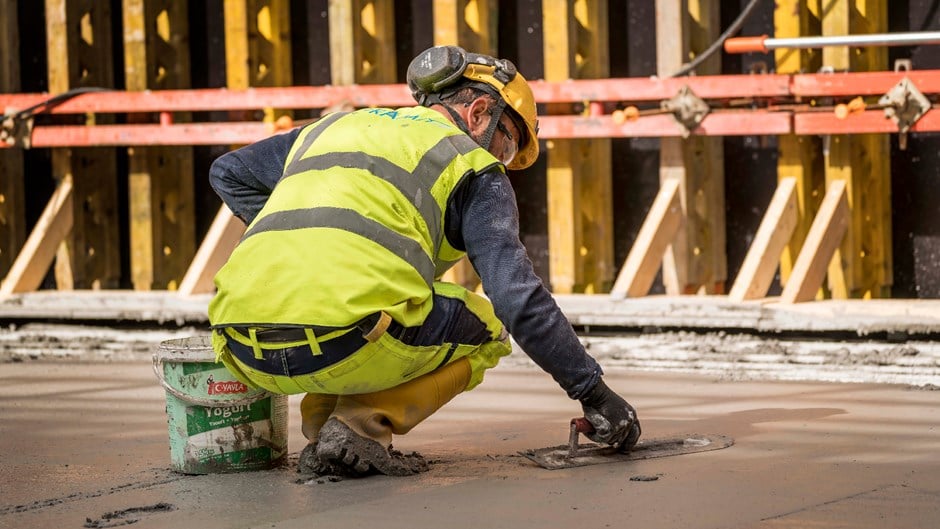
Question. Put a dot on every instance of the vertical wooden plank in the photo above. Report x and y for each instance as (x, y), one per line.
(579, 171)
(160, 189)
(828, 230)
(470, 24)
(257, 53)
(80, 55)
(362, 41)
(708, 247)
(696, 261)
(660, 227)
(672, 43)
(772, 236)
(863, 268)
(258, 45)
(800, 157)
(797, 18)
(12, 214)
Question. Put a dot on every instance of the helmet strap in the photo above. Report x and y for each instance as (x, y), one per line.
(491, 128)
(435, 99)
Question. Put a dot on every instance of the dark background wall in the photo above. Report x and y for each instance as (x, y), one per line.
(915, 173)
(750, 161)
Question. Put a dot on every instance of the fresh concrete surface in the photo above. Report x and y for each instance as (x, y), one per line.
(80, 440)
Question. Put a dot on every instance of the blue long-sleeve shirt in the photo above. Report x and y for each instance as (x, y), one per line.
(482, 218)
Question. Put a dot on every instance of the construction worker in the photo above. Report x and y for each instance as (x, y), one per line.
(334, 289)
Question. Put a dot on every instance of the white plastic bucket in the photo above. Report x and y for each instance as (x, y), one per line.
(216, 423)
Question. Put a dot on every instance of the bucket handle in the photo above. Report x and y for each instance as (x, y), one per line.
(208, 403)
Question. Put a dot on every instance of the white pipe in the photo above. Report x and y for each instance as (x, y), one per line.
(882, 39)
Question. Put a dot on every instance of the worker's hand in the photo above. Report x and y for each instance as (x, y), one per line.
(614, 419)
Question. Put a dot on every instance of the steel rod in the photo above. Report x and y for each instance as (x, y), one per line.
(763, 44)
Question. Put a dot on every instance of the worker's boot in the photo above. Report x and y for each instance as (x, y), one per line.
(358, 434)
(315, 409)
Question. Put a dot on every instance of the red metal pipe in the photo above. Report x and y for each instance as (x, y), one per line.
(551, 127)
(720, 123)
(306, 97)
(220, 99)
(225, 133)
(869, 121)
(862, 83)
(663, 125)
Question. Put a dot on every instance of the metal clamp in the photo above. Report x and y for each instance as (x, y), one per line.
(904, 104)
(687, 108)
(15, 131)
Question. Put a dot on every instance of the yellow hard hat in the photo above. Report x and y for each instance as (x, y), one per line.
(443, 67)
(518, 96)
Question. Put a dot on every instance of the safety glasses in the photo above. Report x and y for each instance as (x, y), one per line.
(510, 146)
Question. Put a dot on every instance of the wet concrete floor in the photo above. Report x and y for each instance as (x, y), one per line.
(86, 445)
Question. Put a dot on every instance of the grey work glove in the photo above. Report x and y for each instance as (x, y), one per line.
(614, 419)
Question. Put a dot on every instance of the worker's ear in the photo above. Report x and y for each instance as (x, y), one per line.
(478, 115)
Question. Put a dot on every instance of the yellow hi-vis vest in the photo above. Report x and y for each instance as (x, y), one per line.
(355, 226)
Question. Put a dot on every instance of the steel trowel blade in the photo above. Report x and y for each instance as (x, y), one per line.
(561, 456)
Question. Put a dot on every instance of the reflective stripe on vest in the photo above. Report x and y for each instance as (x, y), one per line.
(317, 130)
(346, 219)
(415, 186)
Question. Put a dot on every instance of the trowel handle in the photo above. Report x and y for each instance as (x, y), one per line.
(582, 425)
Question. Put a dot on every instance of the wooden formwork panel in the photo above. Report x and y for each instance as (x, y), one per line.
(375, 35)
(696, 260)
(12, 213)
(80, 55)
(12, 216)
(800, 157)
(362, 41)
(257, 54)
(863, 266)
(160, 187)
(471, 24)
(580, 218)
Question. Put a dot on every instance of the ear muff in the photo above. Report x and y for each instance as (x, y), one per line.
(434, 70)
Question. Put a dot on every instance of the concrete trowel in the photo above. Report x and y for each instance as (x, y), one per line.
(575, 454)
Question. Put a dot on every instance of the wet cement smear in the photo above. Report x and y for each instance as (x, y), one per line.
(127, 516)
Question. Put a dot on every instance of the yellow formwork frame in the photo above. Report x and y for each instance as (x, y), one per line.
(472, 25)
(160, 189)
(800, 157)
(257, 45)
(696, 261)
(80, 55)
(862, 267)
(362, 41)
(12, 214)
(580, 216)
(257, 54)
